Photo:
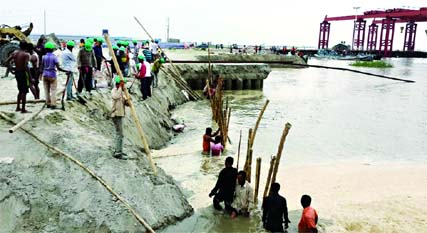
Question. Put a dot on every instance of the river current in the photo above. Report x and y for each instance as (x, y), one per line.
(336, 116)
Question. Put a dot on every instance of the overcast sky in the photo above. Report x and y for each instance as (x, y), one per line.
(219, 21)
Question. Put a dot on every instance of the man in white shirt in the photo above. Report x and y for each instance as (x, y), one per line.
(243, 196)
(154, 50)
(69, 64)
(148, 80)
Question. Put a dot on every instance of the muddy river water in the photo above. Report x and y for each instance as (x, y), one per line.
(337, 118)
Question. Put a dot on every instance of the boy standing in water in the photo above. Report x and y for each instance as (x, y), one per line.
(309, 218)
(216, 146)
(207, 139)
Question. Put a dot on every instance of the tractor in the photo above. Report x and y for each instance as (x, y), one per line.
(10, 38)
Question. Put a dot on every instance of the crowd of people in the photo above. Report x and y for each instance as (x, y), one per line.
(237, 194)
(33, 64)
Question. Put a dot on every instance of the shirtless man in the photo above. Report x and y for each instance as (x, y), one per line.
(22, 74)
(34, 71)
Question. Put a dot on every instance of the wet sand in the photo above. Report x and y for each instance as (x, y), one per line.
(360, 197)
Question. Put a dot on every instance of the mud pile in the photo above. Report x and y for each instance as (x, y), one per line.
(41, 191)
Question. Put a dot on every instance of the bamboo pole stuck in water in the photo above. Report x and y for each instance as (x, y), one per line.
(270, 172)
(132, 107)
(238, 150)
(261, 113)
(250, 165)
(279, 151)
(90, 172)
(21, 123)
(28, 102)
(249, 147)
(257, 175)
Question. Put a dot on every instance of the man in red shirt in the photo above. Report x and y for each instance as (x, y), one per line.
(208, 137)
(309, 218)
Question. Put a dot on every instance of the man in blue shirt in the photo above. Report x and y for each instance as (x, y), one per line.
(97, 49)
(69, 63)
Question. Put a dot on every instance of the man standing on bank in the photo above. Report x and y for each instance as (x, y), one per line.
(275, 211)
(225, 185)
(69, 62)
(21, 58)
(86, 62)
(119, 101)
(49, 67)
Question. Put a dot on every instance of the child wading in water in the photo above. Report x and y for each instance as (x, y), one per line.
(216, 146)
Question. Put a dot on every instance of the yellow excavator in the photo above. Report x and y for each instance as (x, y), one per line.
(10, 37)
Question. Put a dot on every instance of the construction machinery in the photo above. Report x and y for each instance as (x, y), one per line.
(10, 38)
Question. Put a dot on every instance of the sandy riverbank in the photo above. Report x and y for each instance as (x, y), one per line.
(362, 198)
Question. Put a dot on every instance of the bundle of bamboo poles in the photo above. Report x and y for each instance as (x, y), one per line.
(221, 112)
(275, 161)
(251, 140)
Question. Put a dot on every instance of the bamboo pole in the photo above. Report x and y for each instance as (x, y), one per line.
(28, 102)
(182, 84)
(90, 172)
(238, 150)
(194, 94)
(249, 142)
(270, 172)
(257, 175)
(261, 113)
(228, 118)
(209, 66)
(21, 123)
(132, 107)
(279, 151)
(248, 166)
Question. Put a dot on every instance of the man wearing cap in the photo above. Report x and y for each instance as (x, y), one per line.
(49, 66)
(97, 49)
(86, 62)
(119, 101)
(155, 70)
(147, 54)
(135, 51)
(153, 49)
(69, 62)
